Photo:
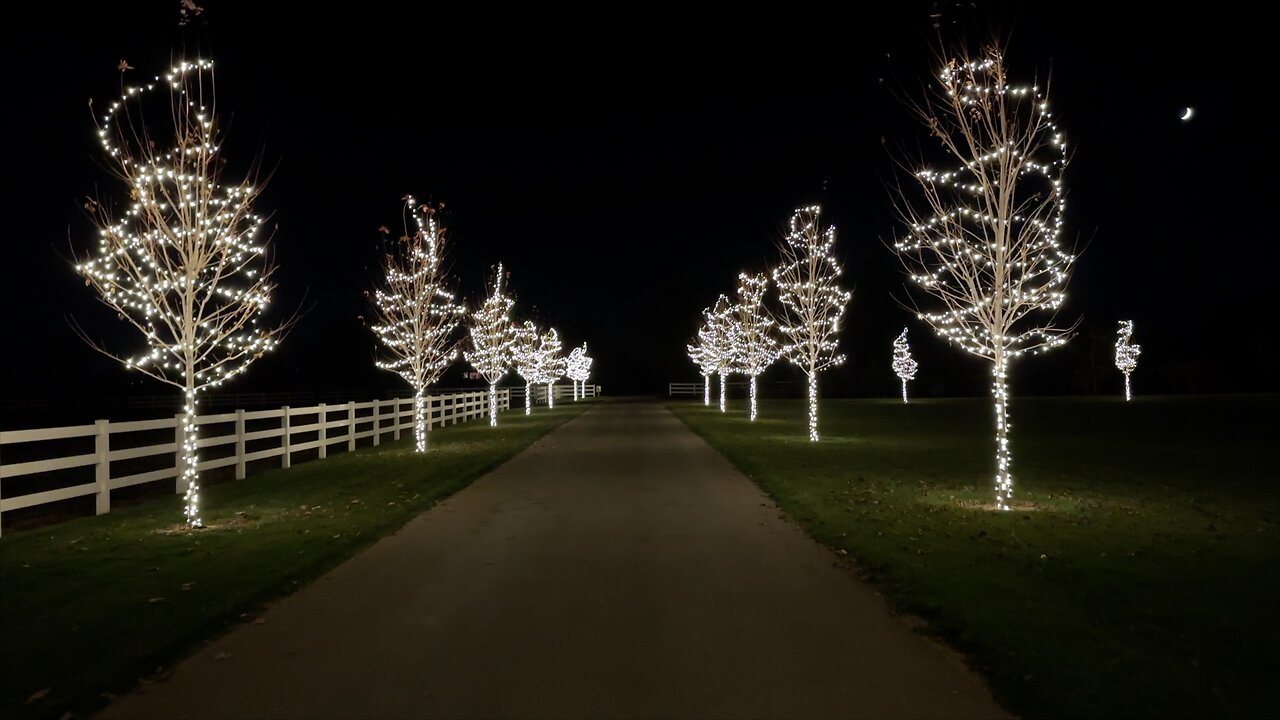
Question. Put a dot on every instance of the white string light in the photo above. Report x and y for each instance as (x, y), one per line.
(491, 340)
(415, 313)
(550, 363)
(983, 239)
(812, 301)
(183, 264)
(757, 349)
(903, 364)
(704, 358)
(718, 339)
(1126, 355)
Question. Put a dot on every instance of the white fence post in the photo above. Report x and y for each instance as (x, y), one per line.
(239, 444)
(284, 426)
(377, 423)
(178, 486)
(395, 424)
(323, 415)
(431, 414)
(351, 426)
(102, 466)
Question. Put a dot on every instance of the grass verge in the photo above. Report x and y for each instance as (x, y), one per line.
(1138, 575)
(91, 606)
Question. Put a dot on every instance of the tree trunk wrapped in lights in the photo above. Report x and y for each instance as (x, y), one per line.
(491, 341)
(578, 368)
(1126, 355)
(904, 365)
(812, 300)
(524, 350)
(757, 349)
(183, 262)
(983, 235)
(414, 311)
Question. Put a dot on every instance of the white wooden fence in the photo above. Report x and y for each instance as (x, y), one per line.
(356, 421)
(562, 392)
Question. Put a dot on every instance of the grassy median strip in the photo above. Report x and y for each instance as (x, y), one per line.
(1138, 575)
(91, 606)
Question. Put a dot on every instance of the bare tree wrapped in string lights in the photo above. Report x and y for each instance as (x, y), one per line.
(719, 340)
(492, 340)
(813, 302)
(757, 348)
(182, 261)
(578, 368)
(904, 366)
(548, 362)
(524, 351)
(704, 358)
(982, 237)
(414, 311)
(1126, 355)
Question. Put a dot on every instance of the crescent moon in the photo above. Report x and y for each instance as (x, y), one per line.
(1187, 114)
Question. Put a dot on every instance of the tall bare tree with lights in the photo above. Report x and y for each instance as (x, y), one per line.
(904, 366)
(704, 358)
(182, 259)
(524, 353)
(492, 340)
(757, 348)
(982, 237)
(550, 363)
(718, 338)
(578, 368)
(1126, 355)
(414, 310)
(812, 300)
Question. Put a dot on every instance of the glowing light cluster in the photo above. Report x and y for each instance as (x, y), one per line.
(719, 342)
(550, 364)
(183, 263)
(524, 352)
(578, 368)
(756, 349)
(492, 341)
(813, 302)
(1126, 355)
(983, 238)
(705, 359)
(414, 310)
(904, 365)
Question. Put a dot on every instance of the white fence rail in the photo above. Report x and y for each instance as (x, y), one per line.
(679, 389)
(562, 392)
(355, 421)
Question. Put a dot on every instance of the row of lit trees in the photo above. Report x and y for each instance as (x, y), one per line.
(184, 263)
(981, 242)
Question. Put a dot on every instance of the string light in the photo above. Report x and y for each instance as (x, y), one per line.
(812, 301)
(757, 349)
(903, 364)
(492, 340)
(1126, 355)
(984, 239)
(184, 264)
(704, 358)
(414, 311)
(578, 368)
(718, 339)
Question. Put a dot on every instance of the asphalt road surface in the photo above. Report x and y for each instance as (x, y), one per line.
(619, 567)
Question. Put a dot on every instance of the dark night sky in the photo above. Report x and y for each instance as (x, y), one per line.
(626, 168)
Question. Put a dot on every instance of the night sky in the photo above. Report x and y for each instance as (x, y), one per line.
(626, 167)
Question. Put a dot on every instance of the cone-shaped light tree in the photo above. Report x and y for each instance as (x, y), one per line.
(550, 363)
(524, 351)
(702, 356)
(414, 311)
(180, 258)
(1126, 355)
(757, 348)
(578, 368)
(812, 301)
(904, 365)
(982, 237)
(492, 340)
(718, 338)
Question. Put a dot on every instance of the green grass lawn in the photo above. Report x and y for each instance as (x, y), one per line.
(91, 606)
(1139, 575)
